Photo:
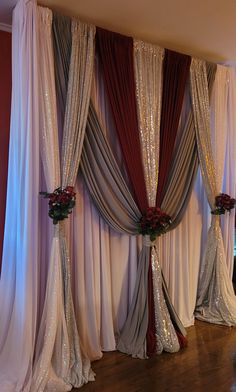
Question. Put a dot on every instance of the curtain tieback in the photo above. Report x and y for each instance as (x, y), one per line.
(147, 241)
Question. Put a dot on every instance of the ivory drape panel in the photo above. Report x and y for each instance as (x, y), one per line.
(224, 149)
(216, 301)
(62, 346)
(77, 102)
(178, 260)
(52, 353)
(19, 284)
(103, 311)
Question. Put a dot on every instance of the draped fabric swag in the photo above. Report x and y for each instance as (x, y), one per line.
(65, 353)
(105, 39)
(122, 113)
(216, 300)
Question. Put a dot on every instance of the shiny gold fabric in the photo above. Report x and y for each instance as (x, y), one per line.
(216, 301)
(148, 61)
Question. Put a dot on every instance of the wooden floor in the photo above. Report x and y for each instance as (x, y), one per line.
(207, 364)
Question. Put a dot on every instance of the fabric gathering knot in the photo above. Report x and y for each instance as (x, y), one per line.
(147, 243)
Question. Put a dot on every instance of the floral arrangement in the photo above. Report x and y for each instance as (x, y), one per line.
(154, 222)
(61, 202)
(223, 202)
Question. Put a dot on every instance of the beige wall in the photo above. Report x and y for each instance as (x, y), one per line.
(204, 28)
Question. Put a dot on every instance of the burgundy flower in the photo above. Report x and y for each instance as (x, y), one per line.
(223, 202)
(154, 222)
(61, 202)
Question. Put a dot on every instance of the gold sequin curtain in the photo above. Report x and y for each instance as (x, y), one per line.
(216, 302)
(60, 362)
(148, 61)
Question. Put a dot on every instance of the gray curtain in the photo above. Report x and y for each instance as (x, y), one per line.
(109, 192)
(105, 181)
(184, 166)
(62, 40)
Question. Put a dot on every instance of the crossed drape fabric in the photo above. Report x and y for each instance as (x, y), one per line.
(61, 362)
(43, 319)
(104, 168)
(116, 57)
(113, 41)
(89, 167)
(216, 300)
(224, 148)
(52, 341)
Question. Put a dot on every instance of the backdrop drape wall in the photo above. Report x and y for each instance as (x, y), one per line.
(103, 262)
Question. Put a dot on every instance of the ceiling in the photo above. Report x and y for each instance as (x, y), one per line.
(203, 28)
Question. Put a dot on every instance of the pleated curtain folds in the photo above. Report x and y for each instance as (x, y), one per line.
(163, 128)
(224, 148)
(115, 53)
(216, 301)
(175, 74)
(19, 284)
(108, 79)
(60, 362)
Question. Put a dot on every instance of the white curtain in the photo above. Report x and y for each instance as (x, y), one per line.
(60, 363)
(229, 174)
(19, 285)
(104, 272)
(216, 301)
(52, 353)
(180, 251)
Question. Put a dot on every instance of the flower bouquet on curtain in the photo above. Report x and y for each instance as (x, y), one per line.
(154, 222)
(223, 203)
(61, 203)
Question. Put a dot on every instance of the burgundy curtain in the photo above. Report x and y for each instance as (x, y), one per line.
(175, 73)
(5, 108)
(115, 53)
